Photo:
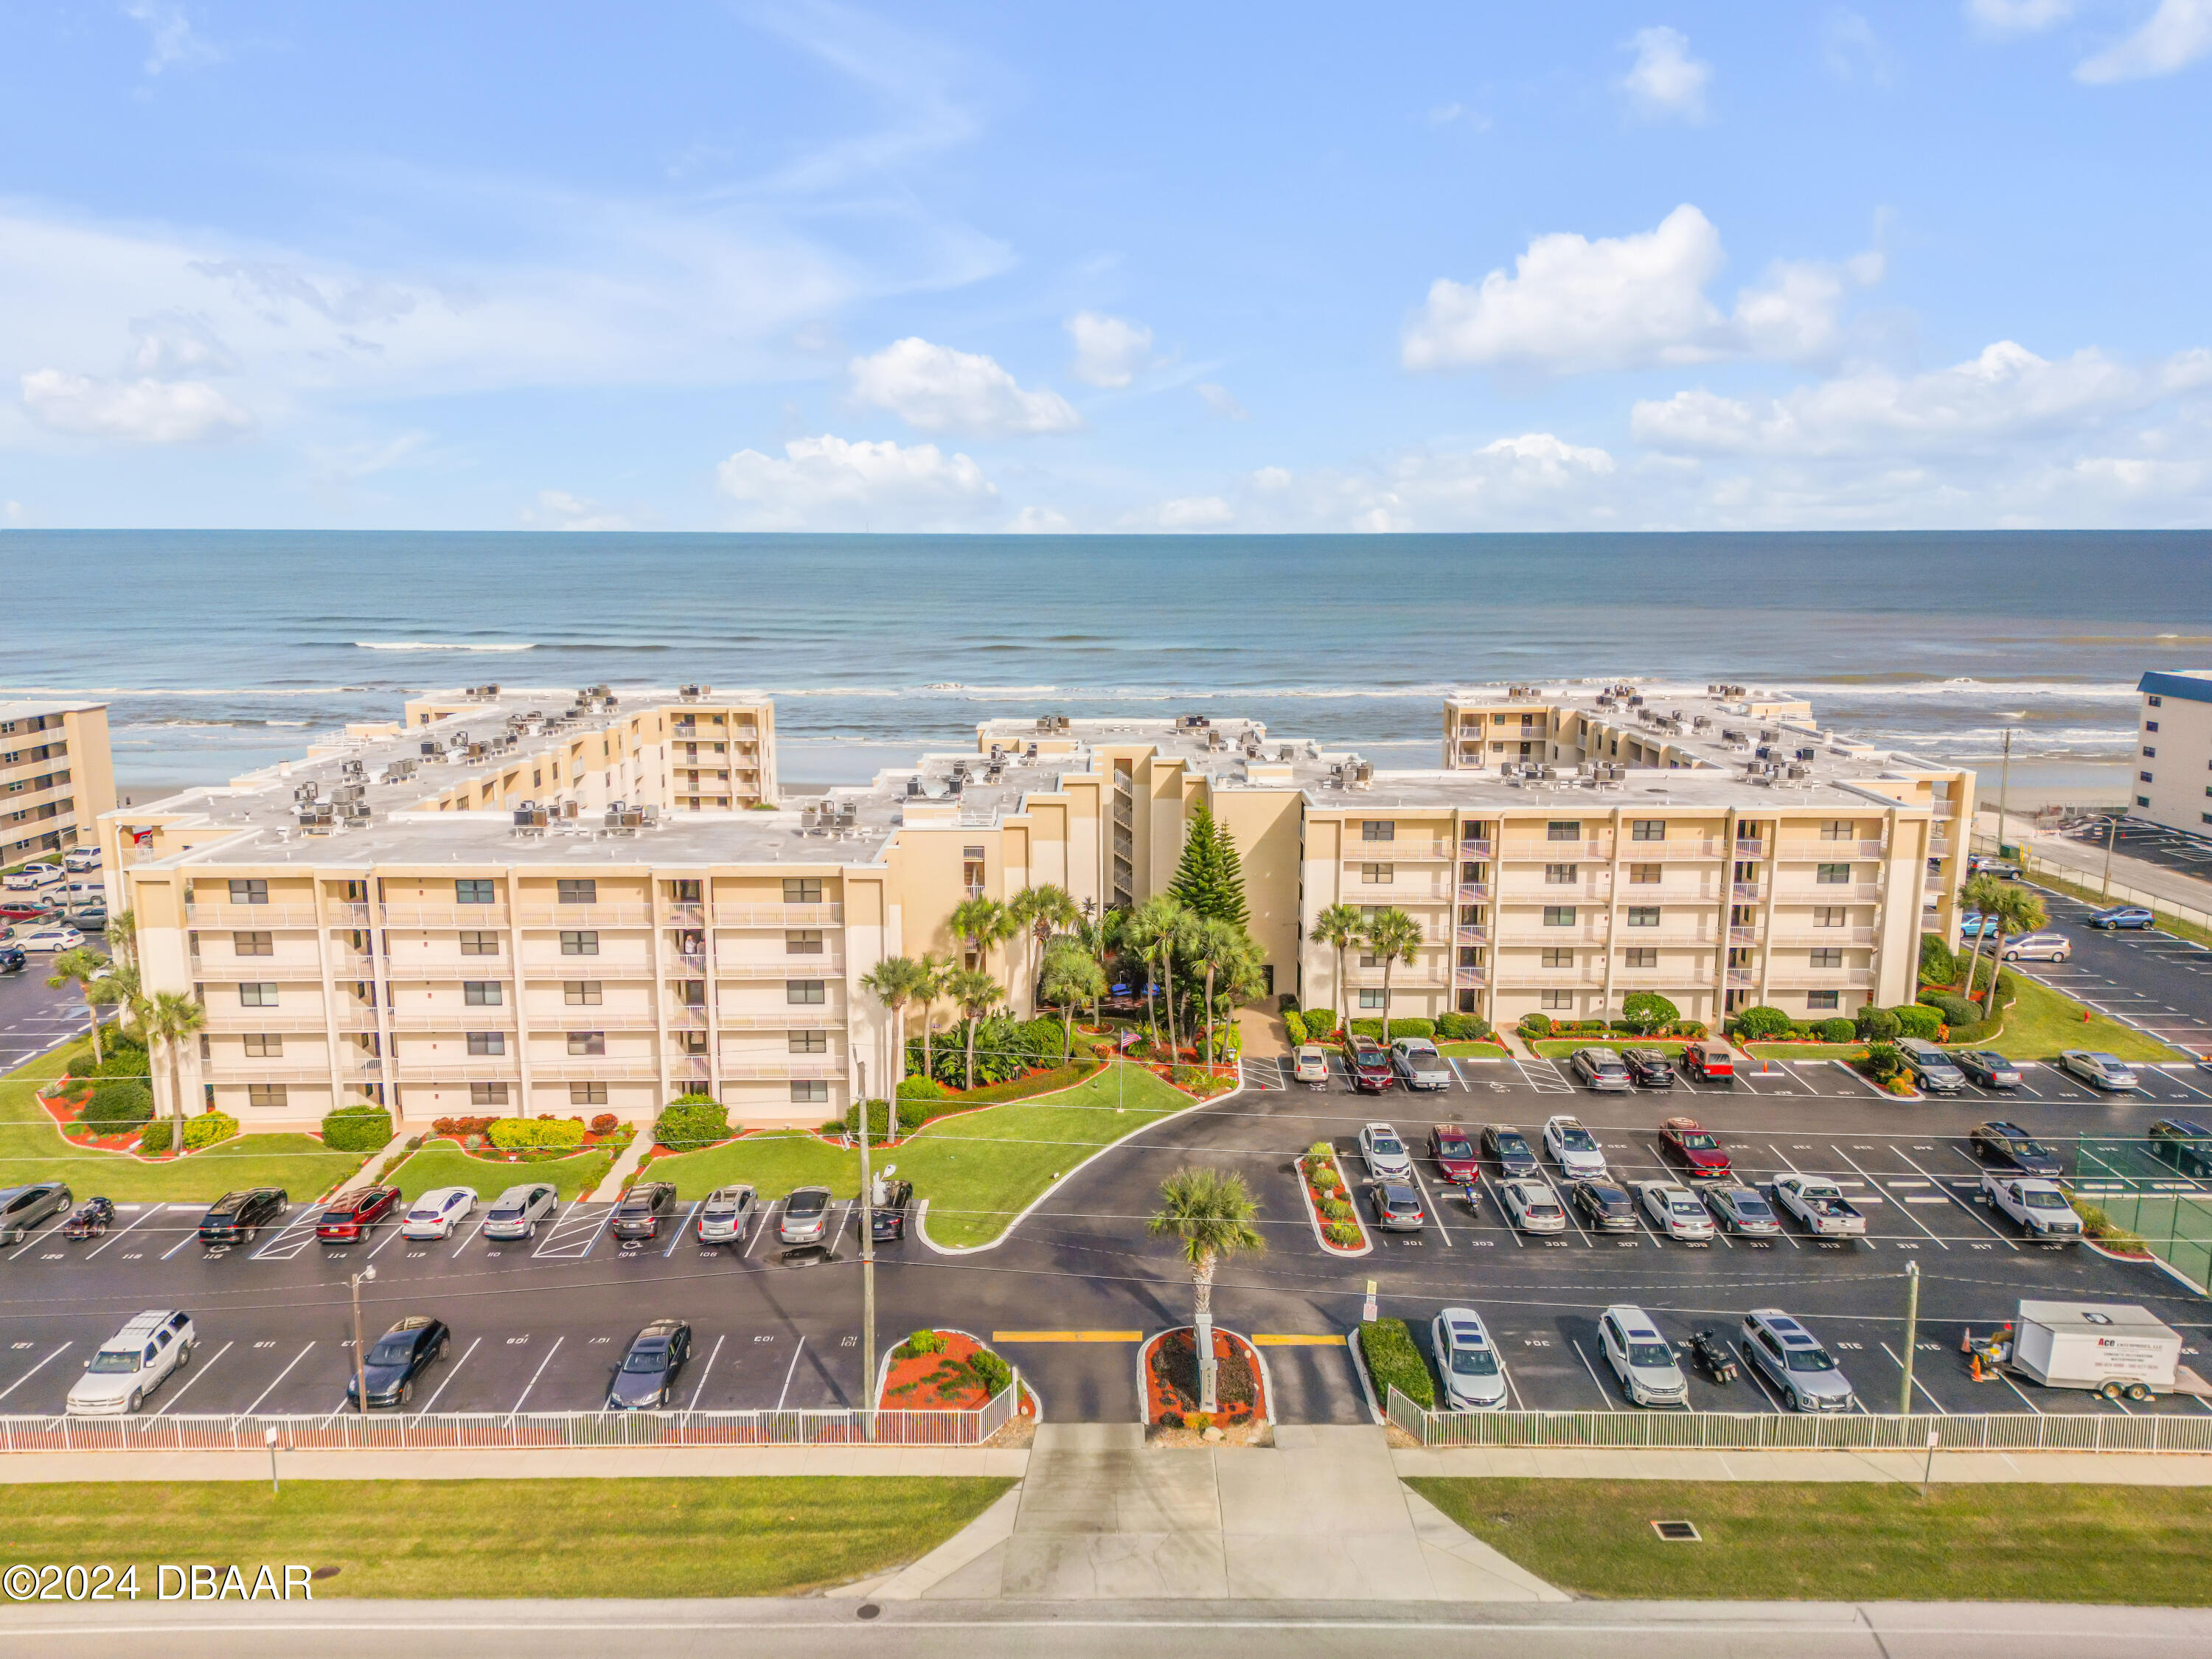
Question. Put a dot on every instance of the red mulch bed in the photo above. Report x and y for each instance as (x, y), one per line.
(1172, 1380)
(933, 1382)
(63, 1108)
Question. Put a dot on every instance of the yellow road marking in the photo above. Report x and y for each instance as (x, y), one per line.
(1067, 1336)
(1298, 1341)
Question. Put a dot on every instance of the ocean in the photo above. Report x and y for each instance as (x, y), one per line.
(219, 652)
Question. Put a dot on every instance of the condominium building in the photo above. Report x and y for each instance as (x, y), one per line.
(2173, 759)
(511, 903)
(56, 778)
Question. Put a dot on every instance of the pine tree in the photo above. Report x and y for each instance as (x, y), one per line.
(1210, 879)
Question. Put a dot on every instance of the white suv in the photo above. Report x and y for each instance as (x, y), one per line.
(130, 1364)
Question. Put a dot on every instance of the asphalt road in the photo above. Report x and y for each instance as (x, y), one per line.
(541, 1325)
(33, 1017)
(2151, 979)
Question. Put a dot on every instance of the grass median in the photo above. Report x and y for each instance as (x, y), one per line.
(754, 1535)
(1846, 1540)
(2042, 1023)
(444, 1164)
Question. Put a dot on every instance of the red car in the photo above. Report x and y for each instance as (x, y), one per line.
(347, 1218)
(1685, 1141)
(1709, 1062)
(1369, 1063)
(1453, 1148)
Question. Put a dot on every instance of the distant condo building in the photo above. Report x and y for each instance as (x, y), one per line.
(525, 903)
(55, 776)
(2174, 757)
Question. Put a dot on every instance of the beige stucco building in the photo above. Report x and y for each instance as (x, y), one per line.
(2173, 751)
(56, 778)
(549, 914)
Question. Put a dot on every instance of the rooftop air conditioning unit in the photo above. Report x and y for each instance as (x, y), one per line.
(306, 792)
(1798, 771)
(1808, 754)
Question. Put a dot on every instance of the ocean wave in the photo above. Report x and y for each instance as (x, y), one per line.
(437, 645)
(187, 691)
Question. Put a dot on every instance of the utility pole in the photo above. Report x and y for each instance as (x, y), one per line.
(1912, 1330)
(868, 1261)
(2004, 790)
(360, 1360)
(2111, 832)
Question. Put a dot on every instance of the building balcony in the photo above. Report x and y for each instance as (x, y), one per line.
(251, 917)
(1471, 933)
(1672, 850)
(583, 915)
(1527, 932)
(1830, 851)
(1779, 978)
(1419, 977)
(1398, 852)
(1830, 893)
(444, 916)
(779, 915)
(456, 1020)
(1798, 934)
(782, 968)
(796, 1067)
(231, 970)
(1547, 978)
(1396, 892)
(1466, 978)
(232, 1022)
(814, 1018)
(1944, 809)
(597, 1069)
(1473, 892)
(1561, 852)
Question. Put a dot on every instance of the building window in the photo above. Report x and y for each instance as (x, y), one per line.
(2143, 776)
(1642, 955)
(1643, 875)
(1833, 875)
(264, 1045)
(587, 1042)
(252, 891)
(807, 1042)
(802, 942)
(806, 990)
(479, 945)
(482, 993)
(809, 1091)
(1829, 916)
(1558, 915)
(1551, 1000)
(581, 992)
(1828, 957)
(271, 1095)
(576, 943)
(2142, 800)
(588, 1094)
(487, 1094)
(2150, 726)
(1560, 875)
(1554, 957)
(1648, 829)
(2149, 753)
(1378, 829)
(1837, 830)
(1824, 999)
(262, 995)
(802, 891)
(2155, 702)
(1371, 998)
(474, 890)
(578, 890)
(1378, 875)
(487, 1042)
(1563, 829)
(253, 945)
(1643, 915)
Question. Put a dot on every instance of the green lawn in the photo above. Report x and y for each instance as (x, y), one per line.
(32, 1149)
(1473, 1050)
(1560, 1048)
(1805, 1050)
(446, 1165)
(2042, 1023)
(1846, 1540)
(978, 1170)
(704, 1536)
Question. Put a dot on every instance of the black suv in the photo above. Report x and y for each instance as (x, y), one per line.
(239, 1217)
(889, 1218)
(1510, 1148)
(22, 1208)
(1652, 1068)
(401, 1354)
(2008, 1147)
(1608, 1207)
(648, 1205)
(2184, 1145)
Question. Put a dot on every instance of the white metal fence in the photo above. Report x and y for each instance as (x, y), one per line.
(2141, 1431)
(510, 1431)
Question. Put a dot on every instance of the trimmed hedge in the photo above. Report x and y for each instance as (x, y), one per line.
(1646, 1011)
(687, 1124)
(1021, 1088)
(1837, 1030)
(921, 1088)
(912, 1115)
(1462, 1028)
(1914, 1020)
(155, 1136)
(123, 1060)
(118, 1105)
(1294, 1023)
(1938, 963)
(1393, 1361)
(1536, 1027)
(1957, 1011)
(1398, 1028)
(1319, 1023)
(1756, 1024)
(1879, 1025)
(526, 1134)
(357, 1129)
(208, 1128)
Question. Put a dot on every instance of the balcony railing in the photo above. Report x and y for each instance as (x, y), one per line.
(1473, 892)
(219, 913)
(1829, 893)
(1743, 936)
(1818, 979)
(1823, 851)
(795, 1067)
(583, 915)
(1798, 934)
(1746, 891)
(231, 970)
(233, 1021)
(1517, 932)
(1473, 849)
(1561, 852)
(1675, 847)
(595, 1070)
(1398, 852)
(1471, 933)
(444, 916)
(456, 1020)
(813, 1017)
(779, 915)
(1465, 977)
(1401, 977)
(1397, 892)
(821, 967)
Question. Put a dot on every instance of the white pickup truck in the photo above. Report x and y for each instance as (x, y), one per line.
(1820, 1204)
(2037, 1207)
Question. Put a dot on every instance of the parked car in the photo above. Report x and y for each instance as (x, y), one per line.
(238, 1218)
(1741, 1210)
(1573, 1148)
(12, 960)
(1311, 1064)
(806, 1218)
(2036, 1207)
(1931, 1067)
(646, 1377)
(2123, 915)
(2040, 946)
(438, 1212)
(1983, 864)
(727, 1216)
(1805, 1374)
(347, 1218)
(131, 1364)
(888, 1218)
(2186, 1145)
(1370, 1066)
(1474, 1377)
(2100, 1069)
(1453, 1153)
(1652, 1068)
(22, 1208)
(31, 876)
(1676, 1210)
(516, 1212)
(1509, 1148)
(1973, 924)
(1820, 1204)
(1602, 1069)
(1385, 1154)
(1419, 1066)
(48, 939)
(643, 1208)
(1397, 1206)
(1694, 1149)
(2008, 1147)
(1642, 1359)
(1987, 1067)
(1709, 1062)
(402, 1354)
(1604, 1205)
(93, 1216)
(1533, 1206)
(79, 858)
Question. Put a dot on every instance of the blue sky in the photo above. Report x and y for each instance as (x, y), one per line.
(1143, 267)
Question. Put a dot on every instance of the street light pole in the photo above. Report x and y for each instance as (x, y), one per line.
(360, 1361)
(2112, 831)
(2004, 790)
(867, 1262)
(1911, 1329)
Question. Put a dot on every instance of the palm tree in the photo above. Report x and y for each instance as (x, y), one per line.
(977, 993)
(2016, 911)
(1211, 1213)
(981, 923)
(1982, 894)
(123, 936)
(1039, 913)
(926, 990)
(1339, 927)
(1156, 928)
(1097, 939)
(84, 967)
(1070, 977)
(895, 982)
(169, 1019)
(1220, 948)
(1396, 936)
(118, 988)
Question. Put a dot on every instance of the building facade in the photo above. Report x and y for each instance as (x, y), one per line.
(2174, 757)
(56, 777)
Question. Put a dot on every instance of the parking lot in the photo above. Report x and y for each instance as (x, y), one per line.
(2151, 979)
(2152, 842)
(33, 1017)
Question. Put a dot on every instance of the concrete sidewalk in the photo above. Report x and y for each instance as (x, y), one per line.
(1951, 1468)
(567, 1463)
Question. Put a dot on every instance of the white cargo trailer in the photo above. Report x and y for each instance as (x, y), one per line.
(2113, 1348)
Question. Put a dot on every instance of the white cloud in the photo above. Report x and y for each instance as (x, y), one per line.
(935, 388)
(177, 342)
(2017, 17)
(1536, 480)
(556, 509)
(1665, 80)
(1194, 512)
(2173, 37)
(171, 43)
(1852, 49)
(1109, 351)
(1219, 399)
(830, 483)
(145, 412)
(15, 512)
(1456, 115)
(1040, 521)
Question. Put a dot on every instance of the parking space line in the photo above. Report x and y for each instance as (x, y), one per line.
(279, 1378)
(1917, 1381)
(705, 1372)
(682, 1228)
(466, 1240)
(1430, 1204)
(33, 1372)
(1604, 1392)
(448, 1377)
(2024, 1399)
(1765, 1392)
(534, 1376)
(191, 1234)
(845, 1216)
(152, 1210)
(761, 1227)
(195, 1376)
(1970, 1209)
(792, 1371)
(293, 1237)
(1902, 1209)
(390, 1233)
